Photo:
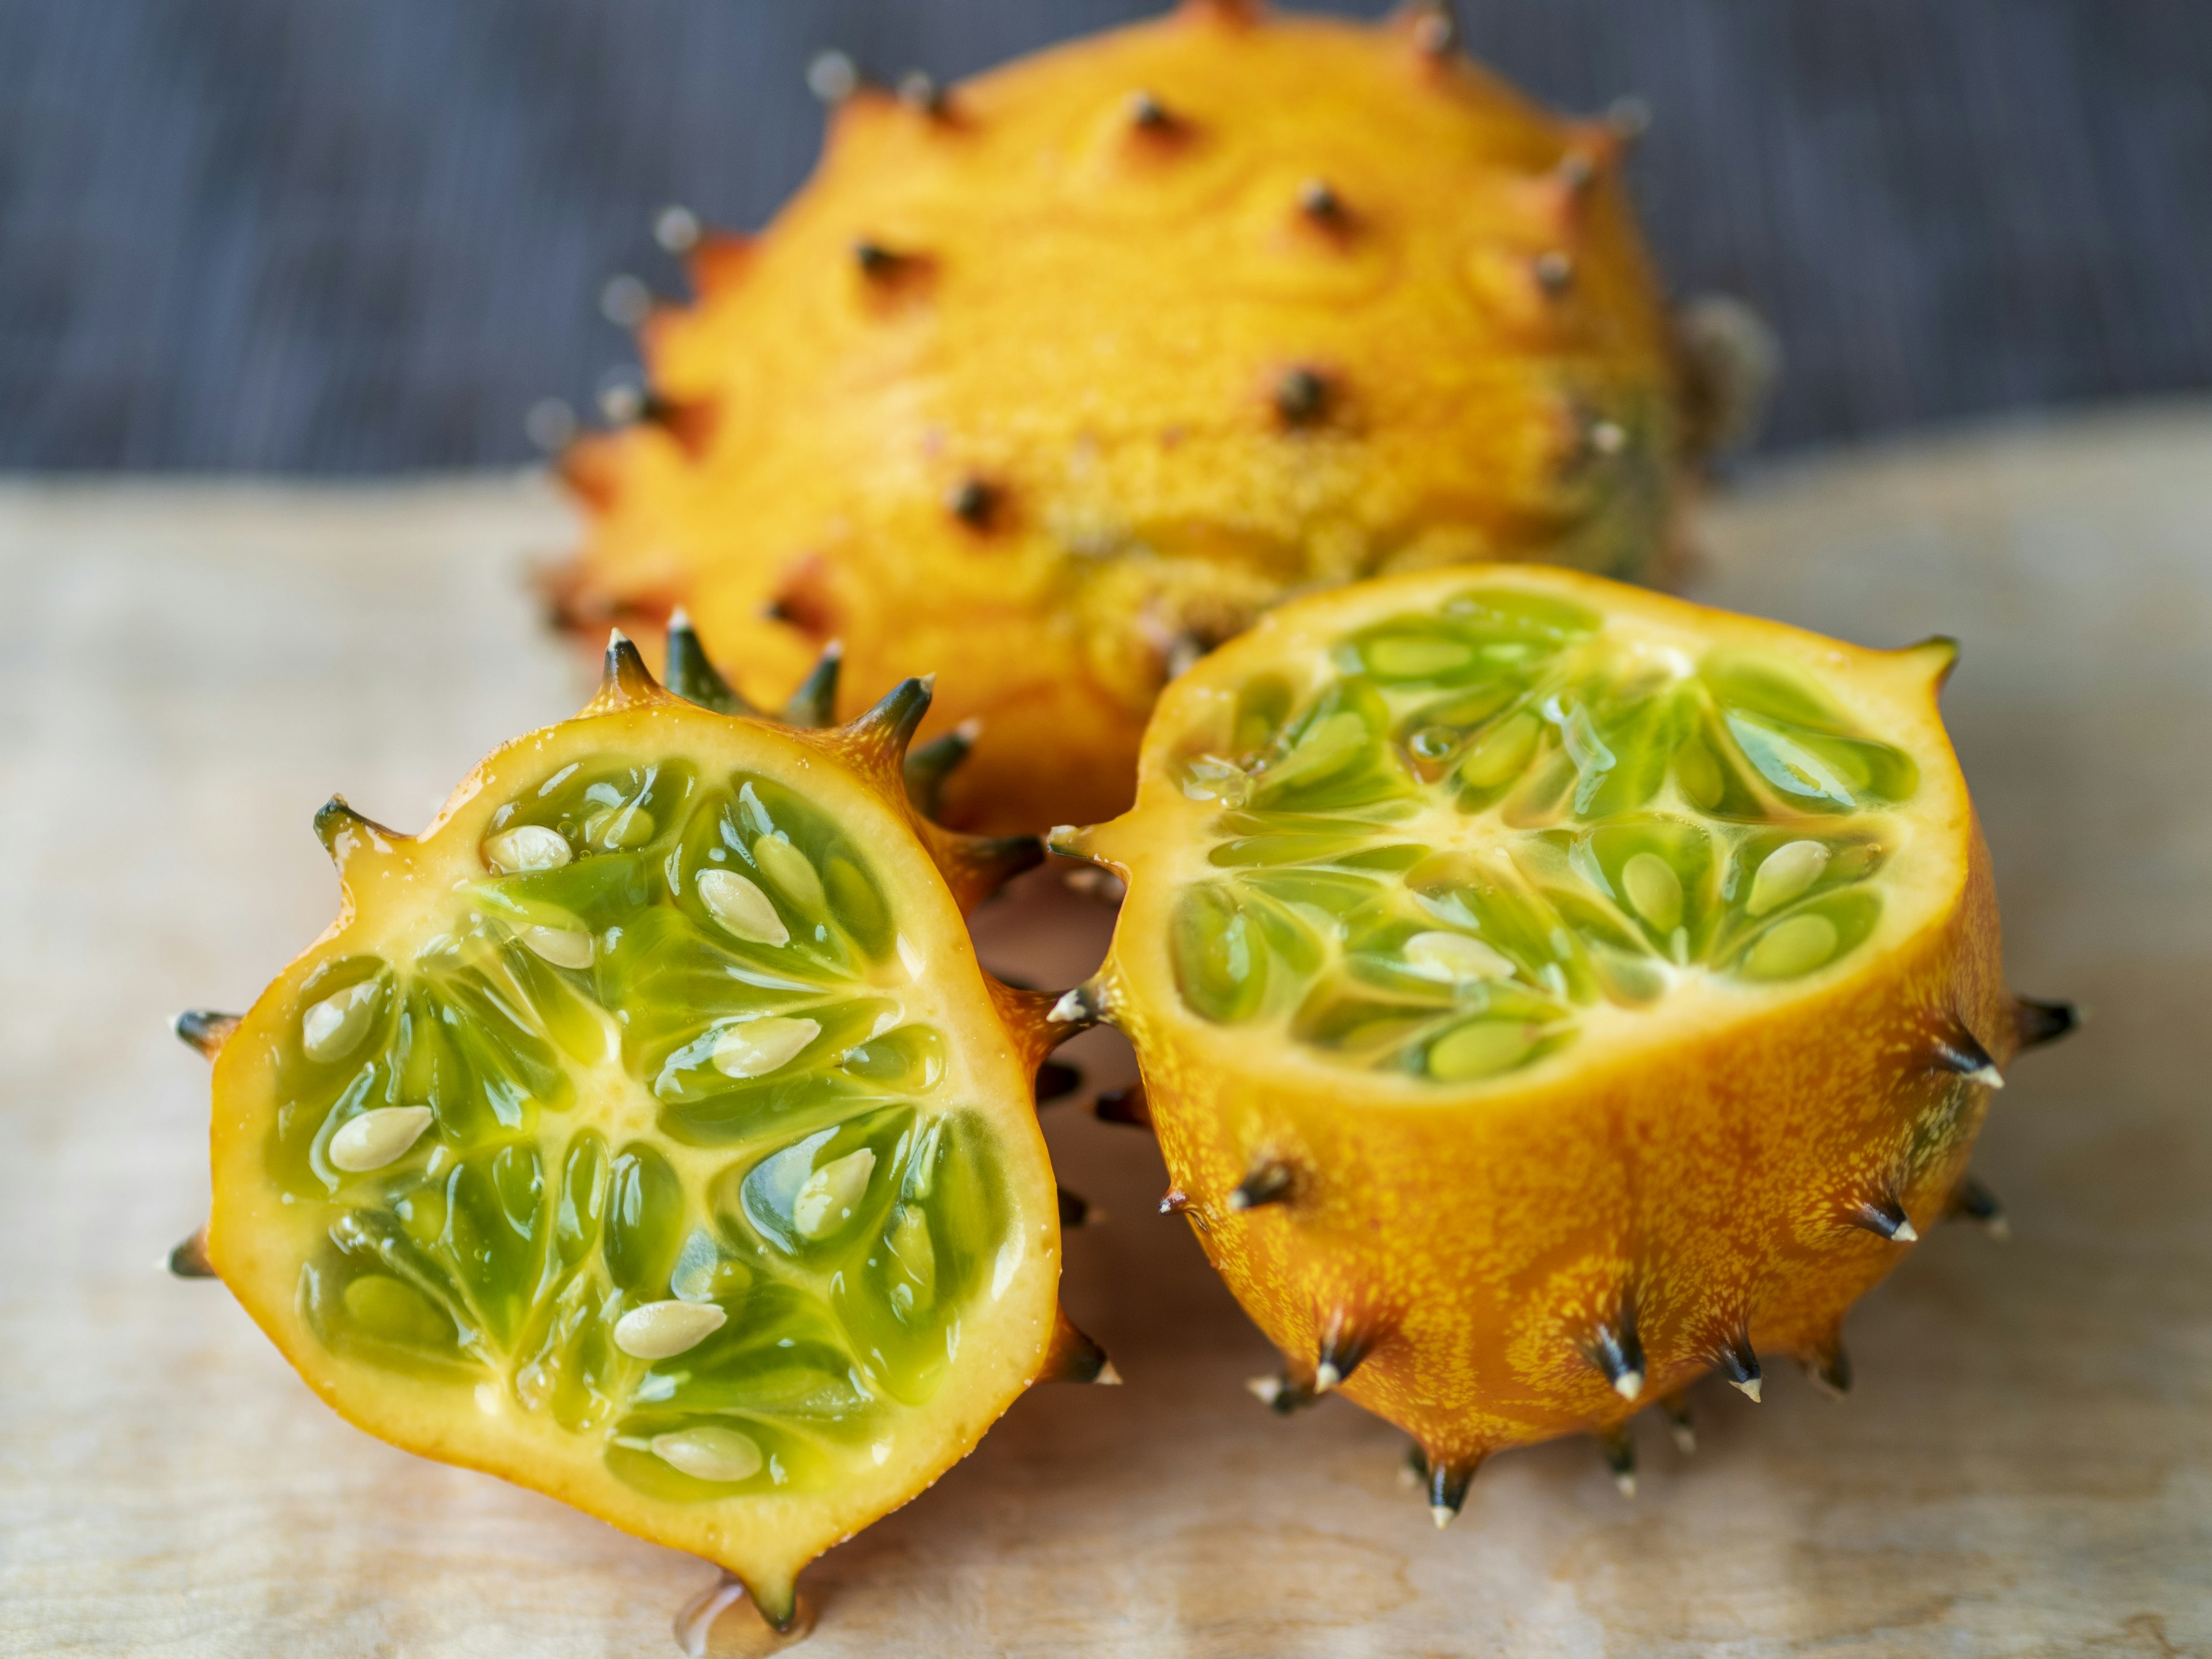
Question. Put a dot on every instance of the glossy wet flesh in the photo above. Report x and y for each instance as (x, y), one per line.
(1482, 825)
(650, 1138)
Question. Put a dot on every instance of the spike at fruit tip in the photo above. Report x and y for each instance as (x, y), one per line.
(204, 1031)
(189, 1258)
(1086, 1005)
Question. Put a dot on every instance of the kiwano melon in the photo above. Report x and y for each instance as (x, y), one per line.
(645, 1132)
(1547, 992)
(1055, 379)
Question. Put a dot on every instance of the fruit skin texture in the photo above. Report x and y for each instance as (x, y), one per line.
(1049, 388)
(1692, 1184)
(254, 1240)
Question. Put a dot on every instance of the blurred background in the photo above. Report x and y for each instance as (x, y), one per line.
(332, 236)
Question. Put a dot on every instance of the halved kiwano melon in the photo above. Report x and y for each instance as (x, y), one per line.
(1546, 990)
(645, 1133)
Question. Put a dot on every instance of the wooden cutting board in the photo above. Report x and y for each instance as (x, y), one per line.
(2025, 1467)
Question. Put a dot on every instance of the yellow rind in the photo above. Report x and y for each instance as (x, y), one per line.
(1697, 1165)
(256, 1242)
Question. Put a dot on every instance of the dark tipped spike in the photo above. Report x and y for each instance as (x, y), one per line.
(1074, 1208)
(340, 829)
(1576, 171)
(1301, 397)
(1124, 1106)
(1269, 1181)
(1830, 1367)
(973, 503)
(691, 677)
(1884, 1217)
(1972, 1201)
(1447, 1483)
(1175, 1202)
(1148, 114)
(2038, 1023)
(1677, 1408)
(899, 712)
(1435, 29)
(190, 1259)
(1319, 202)
(1281, 1394)
(1739, 1365)
(1615, 1350)
(624, 677)
(928, 766)
(204, 1030)
(815, 703)
(875, 261)
(1082, 1007)
(1345, 1343)
(1074, 1357)
(833, 77)
(1056, 1082)
(920, 92)
(1956, 1050)
(1617, 1446)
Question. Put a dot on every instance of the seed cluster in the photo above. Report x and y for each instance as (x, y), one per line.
(721, 1300)
(1480, 824)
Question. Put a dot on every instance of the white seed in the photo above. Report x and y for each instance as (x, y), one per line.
(1788, 870)
(1653, 889)
(378, 1138)
(559, 946)
(826, 1200)
(333, 1028)
(787, 867)
(1454, 956)
(761, 1046)
(660, 1330)
(528, 846)
(719, 1454)
(741, 908)
(1792, 947)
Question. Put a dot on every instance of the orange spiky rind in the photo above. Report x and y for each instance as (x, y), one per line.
(1699, 1221)
(1063, 550)
(391, 881)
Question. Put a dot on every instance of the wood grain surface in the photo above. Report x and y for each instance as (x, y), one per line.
(2025, 1467)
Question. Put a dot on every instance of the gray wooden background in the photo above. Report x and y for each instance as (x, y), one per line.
(367, 235)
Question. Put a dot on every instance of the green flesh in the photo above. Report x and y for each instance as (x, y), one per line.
(654, 1103)
(1488, 821)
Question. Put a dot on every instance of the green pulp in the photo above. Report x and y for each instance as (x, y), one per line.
(803, 1176)
(1491, 818)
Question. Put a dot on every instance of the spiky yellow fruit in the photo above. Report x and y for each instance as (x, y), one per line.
(1547, 991)
(645, 1132)
(1056, 380)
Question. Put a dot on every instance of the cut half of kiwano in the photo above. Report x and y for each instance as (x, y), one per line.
(1547, 991)
(645, 1133)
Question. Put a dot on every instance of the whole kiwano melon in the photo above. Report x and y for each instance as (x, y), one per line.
(1053, 380)
(645, 1132)
(1547, 991)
